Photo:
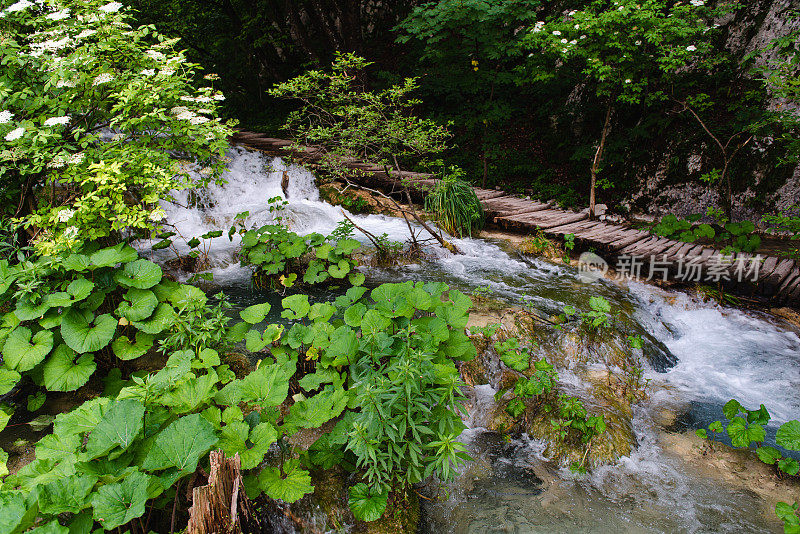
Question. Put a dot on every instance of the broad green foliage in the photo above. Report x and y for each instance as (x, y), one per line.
(597, 317)
(788, 222)
(344, 119)
(71, 311)
(276, 253)
(454, 205)
(97, 109)
(745, 428)
(736, 236)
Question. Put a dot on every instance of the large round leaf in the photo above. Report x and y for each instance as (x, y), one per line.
(63, 373)
(255, 314)
(141, 274)
(82, 337)
(118, 503)
(138, 304)
(188, 297)
(159, 321)
(125, 350)
(108, 257)
(22, 353)
(788, 436)
(367, 505)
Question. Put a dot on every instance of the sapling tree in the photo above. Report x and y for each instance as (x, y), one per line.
(98, 121)
(627, 51)
(343, 120)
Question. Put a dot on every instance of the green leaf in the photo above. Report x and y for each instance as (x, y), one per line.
(295, 307)
(788, 436)
(742, 435)
(82, 419)
(108, 257)
(119, 503)
(268, 385)
(321, 312)
(80, 288)
(140, 274)
(256, 313)
(732, 409)
(317, 410)
(343, 346)
(25, 310)
(158, 322)
(22, 355)
(236, 435)
(290, 487)
(66, 494)
(119, 427)
(8, 379)
(138, 304)
(12, 511)
(340, 269)
(125, 350)
(63, 373)
(354, 314)
(181, 444)
(356, 279)
(81, 337)
(768, 455)
(790, 466)
(367, 505)
(186, 297)
(36, 401)
(516, 360)
(57, 446)
(373, 322)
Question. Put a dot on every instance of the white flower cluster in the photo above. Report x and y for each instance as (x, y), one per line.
(70, 232)
(102, 78)
(697, 3)
(556, 33)
(155, 54)
(19, 6)
(77, 158)
(15, 134)
(539, 26)
(691, 48)
(65, 215)
(111, 7)
(49, 46)
(167, 72)
(85, 33)
(149, 72)
(55, 121)
(59, 15)
(157, 214)
(65, 83)
(6, 116)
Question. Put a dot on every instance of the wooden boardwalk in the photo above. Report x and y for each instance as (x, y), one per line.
(636, 252)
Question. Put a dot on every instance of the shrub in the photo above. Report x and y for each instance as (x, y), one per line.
(455, 205)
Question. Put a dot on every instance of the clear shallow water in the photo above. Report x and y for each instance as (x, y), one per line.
(715, 354)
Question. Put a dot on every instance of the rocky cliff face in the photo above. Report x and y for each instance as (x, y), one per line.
(670, 182)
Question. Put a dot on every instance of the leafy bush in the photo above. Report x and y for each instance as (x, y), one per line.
(73, 312)
(787, 222)
(745, 428)
(273, 251)
(98, 111)
(455, 206)
(737, 236)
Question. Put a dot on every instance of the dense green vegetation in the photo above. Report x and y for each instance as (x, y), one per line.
(103, 115)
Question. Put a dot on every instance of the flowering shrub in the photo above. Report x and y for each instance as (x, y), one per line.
(95, 114)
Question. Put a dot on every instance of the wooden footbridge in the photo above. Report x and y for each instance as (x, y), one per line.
(636, 252)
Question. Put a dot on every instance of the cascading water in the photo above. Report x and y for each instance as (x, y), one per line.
(707, 355)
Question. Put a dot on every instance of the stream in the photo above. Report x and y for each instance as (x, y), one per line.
(702, 356)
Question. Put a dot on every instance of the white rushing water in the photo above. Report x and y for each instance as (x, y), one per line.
(721, 353)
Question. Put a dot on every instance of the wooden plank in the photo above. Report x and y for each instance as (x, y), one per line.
(628, 239)
(573, 228)
(793, 273)
(773, 282)
(562, 220)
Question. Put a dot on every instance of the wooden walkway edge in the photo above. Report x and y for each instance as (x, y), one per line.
(635, 251)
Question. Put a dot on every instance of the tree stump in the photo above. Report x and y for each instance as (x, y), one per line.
(222, 507)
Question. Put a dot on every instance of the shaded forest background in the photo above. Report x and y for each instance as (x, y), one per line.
(511, 128)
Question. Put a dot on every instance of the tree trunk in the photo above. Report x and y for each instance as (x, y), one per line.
(728, 193)
(222, 507)
(598, 157)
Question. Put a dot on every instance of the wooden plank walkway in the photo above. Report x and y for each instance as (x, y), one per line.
(775, 278)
